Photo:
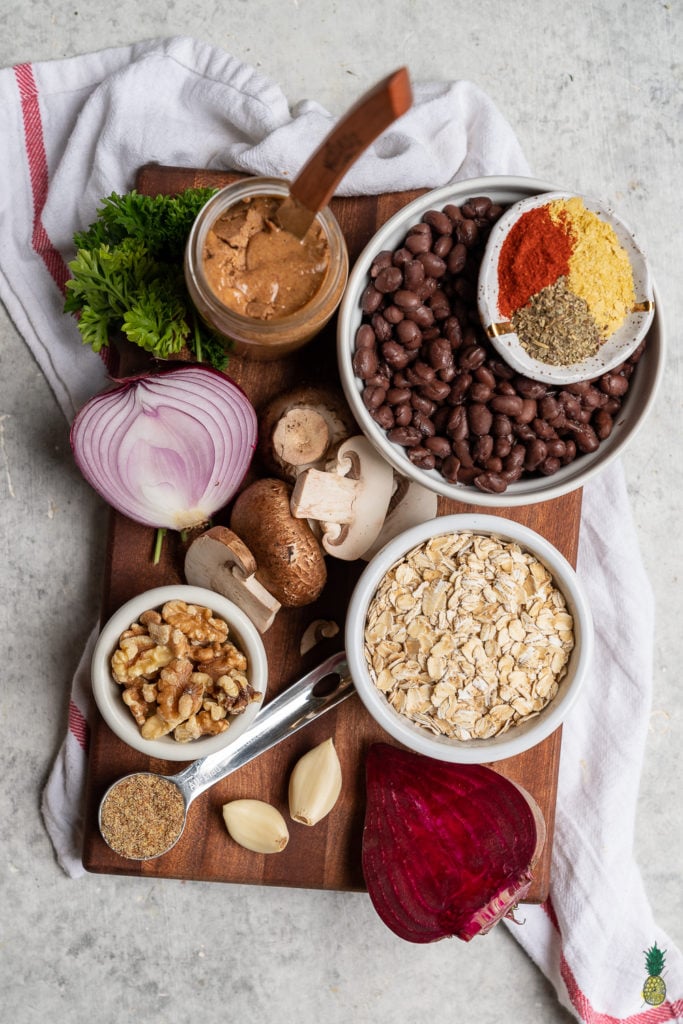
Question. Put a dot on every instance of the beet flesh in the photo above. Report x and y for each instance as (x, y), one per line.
(448, 849)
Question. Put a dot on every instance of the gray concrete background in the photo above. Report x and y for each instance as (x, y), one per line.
(593, 90)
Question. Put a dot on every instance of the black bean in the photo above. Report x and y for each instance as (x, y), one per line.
(433, 265)
(442, 246)
(403, 414)
(441, 222)
(449, 468)
(382, 259)
(422, 457)
(530, 388)
(393, 315)
(407, 436)
(365, 336)
(509, 405)
(439, 445)
(482, 449)
(413, 275)
(471, 357)
(459, 388)
(603, 424)
(422, 316)
(492, 483)
(479, 418)
(436, 390)
(389, 279)
(365, 363)
(395, 355)
(381, 327)
(421, 403)
(457, 427)
(419, 242)
(467, 232)
(383, 416)
(373, 397)
(439, 353)
(397, 395)
(371, 299)
(408, 333)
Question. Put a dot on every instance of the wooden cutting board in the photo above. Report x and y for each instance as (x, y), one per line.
(327, 856)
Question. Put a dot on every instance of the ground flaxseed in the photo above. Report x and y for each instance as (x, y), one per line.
(557, 327)
(142, 816)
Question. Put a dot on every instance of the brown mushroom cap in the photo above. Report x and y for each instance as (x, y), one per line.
(291, 563)
(306, 421)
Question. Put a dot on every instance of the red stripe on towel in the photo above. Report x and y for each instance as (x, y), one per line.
(38, 174)
(667, 1011)
(78, 725)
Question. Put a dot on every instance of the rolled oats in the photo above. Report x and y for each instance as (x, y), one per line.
(467, 635)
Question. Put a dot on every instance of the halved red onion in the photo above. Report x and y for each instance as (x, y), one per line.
(167, 449)
(448, 849)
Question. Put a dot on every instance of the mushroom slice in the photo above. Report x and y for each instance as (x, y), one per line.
(411, 503)
(298, 428)
(220, 561)
(315, 632)
(350, 498)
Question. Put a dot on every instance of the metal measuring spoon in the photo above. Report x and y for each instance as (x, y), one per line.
(164, 800)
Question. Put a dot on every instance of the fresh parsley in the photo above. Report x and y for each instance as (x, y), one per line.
(127, 277)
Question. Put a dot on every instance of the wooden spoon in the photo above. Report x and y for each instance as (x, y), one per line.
(314, 185)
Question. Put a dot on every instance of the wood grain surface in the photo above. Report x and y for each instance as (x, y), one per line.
(327, 856)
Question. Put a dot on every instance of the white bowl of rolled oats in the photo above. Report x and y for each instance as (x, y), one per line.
(179, 672)
(469, 638)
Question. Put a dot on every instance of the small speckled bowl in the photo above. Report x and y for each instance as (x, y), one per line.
(613, 351)
(518, 738)
(107, 692)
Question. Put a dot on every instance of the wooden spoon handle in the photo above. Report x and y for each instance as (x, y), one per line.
(315, 184)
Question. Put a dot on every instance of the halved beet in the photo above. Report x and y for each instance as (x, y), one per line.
(448, 849)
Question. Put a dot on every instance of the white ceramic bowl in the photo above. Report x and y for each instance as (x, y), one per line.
(517, 738)
(635, 408)
(614, 350)
(107, 692)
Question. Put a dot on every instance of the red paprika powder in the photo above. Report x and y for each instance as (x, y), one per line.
(534, 254)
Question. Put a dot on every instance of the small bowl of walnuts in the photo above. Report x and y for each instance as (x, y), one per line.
(179, 672)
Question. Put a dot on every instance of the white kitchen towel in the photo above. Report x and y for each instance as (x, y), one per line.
(78, 129)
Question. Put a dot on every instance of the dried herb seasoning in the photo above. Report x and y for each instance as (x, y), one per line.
(557, 327)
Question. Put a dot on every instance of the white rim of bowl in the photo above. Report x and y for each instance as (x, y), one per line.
(108, 698)
(532, 491)
(614, 350)
(515, 741)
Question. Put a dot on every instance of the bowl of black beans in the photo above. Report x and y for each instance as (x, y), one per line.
(435, 397)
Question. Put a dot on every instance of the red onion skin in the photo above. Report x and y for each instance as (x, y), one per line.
(202, 433)
(448, 849)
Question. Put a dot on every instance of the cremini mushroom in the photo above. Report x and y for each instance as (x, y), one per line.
(219, 560)
(290, 562)
(299, 427)
(349, 499)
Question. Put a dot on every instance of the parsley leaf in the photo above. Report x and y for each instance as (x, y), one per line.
(127, 276)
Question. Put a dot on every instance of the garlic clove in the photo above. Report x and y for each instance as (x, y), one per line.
(315, 784)
(256, 825)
